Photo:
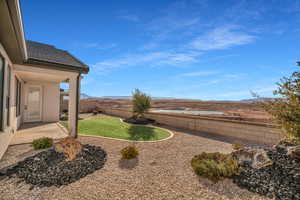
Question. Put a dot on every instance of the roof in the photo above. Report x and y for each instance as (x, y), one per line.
(39, 53)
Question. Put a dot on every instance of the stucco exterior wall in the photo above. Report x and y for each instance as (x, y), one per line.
(50, 99)
(51, 94)
(8, 132)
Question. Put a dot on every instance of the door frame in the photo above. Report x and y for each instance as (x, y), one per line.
(26, 102)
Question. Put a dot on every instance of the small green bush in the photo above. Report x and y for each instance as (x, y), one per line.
(42, 143)
(129, 152)
(237, 146)
(215, 166)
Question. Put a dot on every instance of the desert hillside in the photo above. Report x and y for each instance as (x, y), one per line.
(236, 110)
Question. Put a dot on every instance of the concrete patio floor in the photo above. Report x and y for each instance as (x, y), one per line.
(31, 131)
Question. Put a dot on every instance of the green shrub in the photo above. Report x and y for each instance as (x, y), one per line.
(237, 146)
(42, 143)
(215, 166)
(285, 109)
(129, 152)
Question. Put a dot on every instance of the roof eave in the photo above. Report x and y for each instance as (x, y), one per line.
(57, 66)
(16, 17)
(12, 37)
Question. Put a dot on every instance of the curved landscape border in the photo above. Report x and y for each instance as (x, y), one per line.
(96, 136)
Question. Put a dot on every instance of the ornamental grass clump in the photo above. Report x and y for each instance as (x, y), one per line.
(215, 166)
(129, 152)
(42, 143)
(237, 146)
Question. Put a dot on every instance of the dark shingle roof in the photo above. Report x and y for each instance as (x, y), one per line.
(44, 53)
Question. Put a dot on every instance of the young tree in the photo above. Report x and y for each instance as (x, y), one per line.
(141, 103)
(286, 109)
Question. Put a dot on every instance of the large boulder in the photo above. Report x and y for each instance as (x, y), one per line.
(69, 146)
(255, 157)
(294, 152)
(289, 149)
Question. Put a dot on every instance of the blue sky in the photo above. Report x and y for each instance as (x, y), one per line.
(199, 49)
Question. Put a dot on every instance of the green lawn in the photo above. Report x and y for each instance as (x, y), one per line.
(112, 127)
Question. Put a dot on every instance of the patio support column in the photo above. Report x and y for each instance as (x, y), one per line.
(74, 84)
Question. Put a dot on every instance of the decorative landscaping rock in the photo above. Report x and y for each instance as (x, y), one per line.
(280, 180)
(283, 147)
(255, 157)
(294, 152)
(69, 146)
(50, 168)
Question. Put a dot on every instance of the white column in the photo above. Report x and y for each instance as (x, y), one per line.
(73, 105)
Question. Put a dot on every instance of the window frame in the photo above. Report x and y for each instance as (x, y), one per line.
(2, 89)
(18, 96)
(8, 95)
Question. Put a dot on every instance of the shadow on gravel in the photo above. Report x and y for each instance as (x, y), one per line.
(213, 136)
(128, 164)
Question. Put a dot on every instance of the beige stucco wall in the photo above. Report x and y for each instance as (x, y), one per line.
(51, 102)
(7, 133)
(50, 99)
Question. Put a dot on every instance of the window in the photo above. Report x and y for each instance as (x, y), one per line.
(1, 90)
(18, 97)
(8, 96)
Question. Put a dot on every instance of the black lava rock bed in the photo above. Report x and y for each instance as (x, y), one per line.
(49, 168)
(280, 180)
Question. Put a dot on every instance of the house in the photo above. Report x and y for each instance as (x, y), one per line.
(30, 77)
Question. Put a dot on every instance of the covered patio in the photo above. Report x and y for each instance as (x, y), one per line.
(40, 97)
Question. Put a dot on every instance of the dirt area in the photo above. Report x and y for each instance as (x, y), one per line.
(234, 110)
(162, 171)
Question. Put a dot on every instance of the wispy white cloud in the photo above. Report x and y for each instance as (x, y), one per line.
(96, 45)
(129, 17)
(221, 38)
(160, 58)
(198, 73)
(257, 90)
(173, 22)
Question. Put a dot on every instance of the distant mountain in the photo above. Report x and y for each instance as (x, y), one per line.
(85, 96)
(129, 97)
(116, 97)
(255, 100)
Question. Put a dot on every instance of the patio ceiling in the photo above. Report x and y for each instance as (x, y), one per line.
(31, 76)
(30, 73)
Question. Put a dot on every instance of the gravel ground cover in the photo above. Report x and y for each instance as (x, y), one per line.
(163, 171)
